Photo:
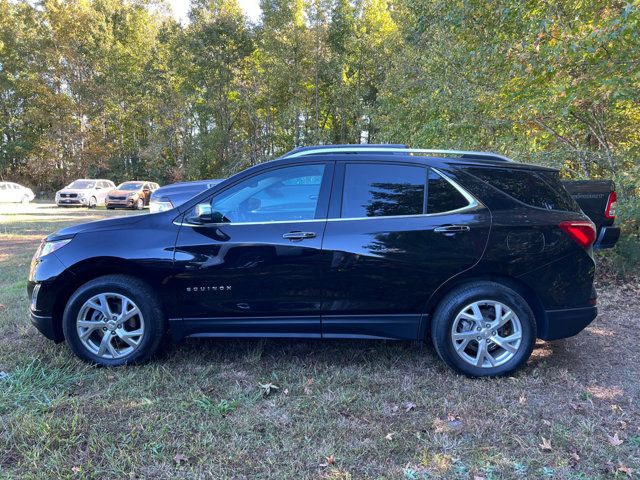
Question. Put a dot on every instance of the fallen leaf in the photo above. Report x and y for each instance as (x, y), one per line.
(545, 444)
(286, 391)
(575, 456)
(478, 477)
(266, 388)
(330, 460)
(615, 440)
(180, 458)
(76, 469)
(2, 306)
(452, 417)
(522, 400)
(395, 408)
(307, 386)
(547, 423)
(389, 436)
(408, 406)
(628, 470)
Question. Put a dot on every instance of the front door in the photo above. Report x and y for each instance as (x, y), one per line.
(398, 232)
(249, 259)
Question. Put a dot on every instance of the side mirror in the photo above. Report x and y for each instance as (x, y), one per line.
(201, 214)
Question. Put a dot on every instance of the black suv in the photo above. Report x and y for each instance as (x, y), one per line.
(478, 252)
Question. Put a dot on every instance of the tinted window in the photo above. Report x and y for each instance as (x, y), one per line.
(536, 188)
(289, 193)
(442, 196)
(375, 190)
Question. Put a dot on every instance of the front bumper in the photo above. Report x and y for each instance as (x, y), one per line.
(607, 237)
(71, 201)
(129, 203)
(45, 326)
(565, 323)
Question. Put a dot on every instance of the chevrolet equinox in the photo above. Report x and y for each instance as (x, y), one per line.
(479, 253)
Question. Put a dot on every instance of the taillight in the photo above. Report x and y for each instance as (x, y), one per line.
(612, 206)
(584, 233)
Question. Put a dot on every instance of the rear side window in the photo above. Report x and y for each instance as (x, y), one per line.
(443, 197)
(540, 189)
(381, 190)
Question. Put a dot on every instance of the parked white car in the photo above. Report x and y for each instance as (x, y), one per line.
(13, 193)
(85, 192)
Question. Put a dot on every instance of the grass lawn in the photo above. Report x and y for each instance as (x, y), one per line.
(341, 409)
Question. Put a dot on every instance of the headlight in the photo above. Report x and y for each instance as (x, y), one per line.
(131, 194)
(49, 247)
(156, 206)
(81, 195)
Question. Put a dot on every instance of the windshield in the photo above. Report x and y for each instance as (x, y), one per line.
(82, 184)
(130, 186)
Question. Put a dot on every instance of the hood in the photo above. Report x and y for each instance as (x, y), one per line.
(97, 225)
(124, 192)
(74, 190)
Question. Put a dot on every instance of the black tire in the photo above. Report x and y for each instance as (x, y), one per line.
(456, 301)
(93, 202)
(139, 205)
(136, 290)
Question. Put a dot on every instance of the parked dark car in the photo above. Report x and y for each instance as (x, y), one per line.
(599, 201)
(134, 194)
(175, 194)
(478, 253)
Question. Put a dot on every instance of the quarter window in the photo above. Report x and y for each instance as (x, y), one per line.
(381, 190)
(443, 197)
(284, 194)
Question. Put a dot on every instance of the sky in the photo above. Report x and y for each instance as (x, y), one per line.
(181, 8)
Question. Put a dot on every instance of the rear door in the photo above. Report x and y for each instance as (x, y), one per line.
(396, 232)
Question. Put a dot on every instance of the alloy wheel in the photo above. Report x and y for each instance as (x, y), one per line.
(110, 325)
(486, 334)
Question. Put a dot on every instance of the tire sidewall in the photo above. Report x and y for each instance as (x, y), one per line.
(448, 310)
(152, 324)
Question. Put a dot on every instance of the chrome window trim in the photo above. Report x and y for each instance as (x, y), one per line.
(355, 149)
(473, 203)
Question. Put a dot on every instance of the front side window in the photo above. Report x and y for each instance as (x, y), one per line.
(283, 194)
(382, 190)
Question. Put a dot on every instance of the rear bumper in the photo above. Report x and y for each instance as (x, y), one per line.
(565, 323)
(45, 326)
(607, 237)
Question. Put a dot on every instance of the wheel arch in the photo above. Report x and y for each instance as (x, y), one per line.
(515, 284)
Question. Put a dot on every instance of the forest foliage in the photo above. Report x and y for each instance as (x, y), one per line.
(120, 89)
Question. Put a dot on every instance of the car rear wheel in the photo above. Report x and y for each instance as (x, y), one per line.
(25, 200)
(484, 329)
(114, 320)
(93, 202)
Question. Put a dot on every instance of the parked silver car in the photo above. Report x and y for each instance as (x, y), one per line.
(85, 192)
(13, 193)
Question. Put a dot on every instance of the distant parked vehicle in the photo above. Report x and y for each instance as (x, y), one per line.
(85, 192)
(170, 196)
(131, 195)
(13, 193)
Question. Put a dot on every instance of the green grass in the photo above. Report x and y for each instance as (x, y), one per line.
(342, 409)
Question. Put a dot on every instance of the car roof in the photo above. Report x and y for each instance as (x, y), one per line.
(400, 153)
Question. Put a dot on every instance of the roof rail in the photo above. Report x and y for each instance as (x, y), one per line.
(362, 146)
(370, 148)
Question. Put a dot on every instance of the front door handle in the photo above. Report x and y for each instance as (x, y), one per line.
(451, 229)
(297, 236)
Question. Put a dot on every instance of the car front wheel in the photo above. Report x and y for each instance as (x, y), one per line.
(114, 320)
(484, 329)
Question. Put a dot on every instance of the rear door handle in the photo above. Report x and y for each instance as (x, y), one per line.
(451, 229)
(297, 236)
